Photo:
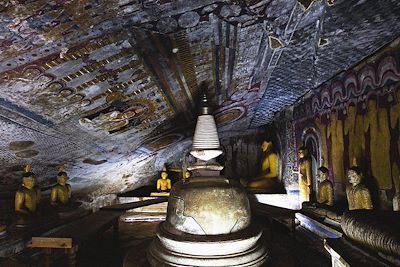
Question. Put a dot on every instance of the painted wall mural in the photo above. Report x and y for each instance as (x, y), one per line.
(119, 115)
(237, 109)
(355, 118)
(103, 86)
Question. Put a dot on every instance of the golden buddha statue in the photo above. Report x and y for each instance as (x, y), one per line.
(61, 193)
(186, 175)
(325, 187)
(305, 175)
(358, 196)
(164, 184)
(269, 178)
(28, 197)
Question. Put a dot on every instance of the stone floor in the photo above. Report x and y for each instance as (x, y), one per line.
(286, 251)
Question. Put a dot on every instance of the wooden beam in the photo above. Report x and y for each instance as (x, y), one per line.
(51, 242)
(133, 205)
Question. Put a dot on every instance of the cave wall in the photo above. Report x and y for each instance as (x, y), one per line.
(242, 155)
(355, 115)
(283, 131)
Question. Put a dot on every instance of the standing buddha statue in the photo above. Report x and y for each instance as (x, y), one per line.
(305, 175)
(325, 187)
(28, 197)
(358, 195)
(61, 193)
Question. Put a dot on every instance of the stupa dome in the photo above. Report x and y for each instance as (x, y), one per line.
(208, 217)
(208, 206)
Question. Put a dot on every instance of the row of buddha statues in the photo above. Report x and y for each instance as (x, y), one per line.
(28, 197)
(358, 195)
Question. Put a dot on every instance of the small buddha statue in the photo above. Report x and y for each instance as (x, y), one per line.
(164, 184)
(305, 174)
(61, 193)
(186, 175)
(325, 187)
(269, 178)
(28, 197)
(358, 196)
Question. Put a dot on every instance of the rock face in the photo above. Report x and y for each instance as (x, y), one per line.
(116, 81)
(378, 230)
(208, 224)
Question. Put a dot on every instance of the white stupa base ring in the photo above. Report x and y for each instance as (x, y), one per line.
(208, 245)
(239, 249)
(158, 255)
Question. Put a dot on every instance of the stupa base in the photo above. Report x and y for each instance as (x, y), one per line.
(180, 249)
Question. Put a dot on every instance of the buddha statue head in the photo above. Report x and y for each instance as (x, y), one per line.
(323, 174)
(164, 173)
(354, 175)
(186, 175)
(303, 152)
(28, 180)
(62, 176)
(266, 146)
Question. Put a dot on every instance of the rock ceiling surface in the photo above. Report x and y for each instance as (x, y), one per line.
(109, 87)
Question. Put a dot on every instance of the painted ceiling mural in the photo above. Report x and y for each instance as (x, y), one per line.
(109, 87)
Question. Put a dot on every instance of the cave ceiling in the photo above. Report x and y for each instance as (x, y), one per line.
(109, 87)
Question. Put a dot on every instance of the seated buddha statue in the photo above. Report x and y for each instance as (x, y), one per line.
(305, 174)
(164, 184)
(28, 196)
(61, 193)
(269, 178)
(325, 187)
(358, 195)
